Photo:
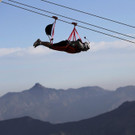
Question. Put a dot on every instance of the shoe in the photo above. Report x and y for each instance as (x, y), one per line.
(37, 43)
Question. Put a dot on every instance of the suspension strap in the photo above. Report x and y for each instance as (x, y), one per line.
(52, 35)
(74, 33)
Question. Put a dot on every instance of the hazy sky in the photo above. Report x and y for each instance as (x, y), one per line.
(110, 63)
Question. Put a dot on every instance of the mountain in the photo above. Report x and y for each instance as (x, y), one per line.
(50, 104)
(58, 105)
(120, 121)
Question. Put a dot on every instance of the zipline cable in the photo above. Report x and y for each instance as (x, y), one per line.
(90, 14)
(67, 22)
(72, 19)
(33, 11)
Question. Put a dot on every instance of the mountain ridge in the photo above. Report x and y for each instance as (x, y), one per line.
(120, 121)
(59, 105)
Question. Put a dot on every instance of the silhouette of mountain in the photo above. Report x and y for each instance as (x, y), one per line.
(120, 121)
(58, 105)
(24, 126)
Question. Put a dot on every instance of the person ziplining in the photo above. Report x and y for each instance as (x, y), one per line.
(71, 45)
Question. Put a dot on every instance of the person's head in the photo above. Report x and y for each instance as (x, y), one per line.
(86, 46)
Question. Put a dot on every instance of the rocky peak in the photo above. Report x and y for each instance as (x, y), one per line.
(38, 85)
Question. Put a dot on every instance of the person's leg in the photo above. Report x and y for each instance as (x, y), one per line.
(39, 42)
(47, 44)
(61, 43)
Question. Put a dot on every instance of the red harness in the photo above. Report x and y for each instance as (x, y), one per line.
(67, 48)
(72, 37)
(74, 33)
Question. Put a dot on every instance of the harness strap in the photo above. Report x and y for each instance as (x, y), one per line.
(78, 34)
(73, 34)
(52, 35)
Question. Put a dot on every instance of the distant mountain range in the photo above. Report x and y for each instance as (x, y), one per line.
(58, 106)
(120, 121)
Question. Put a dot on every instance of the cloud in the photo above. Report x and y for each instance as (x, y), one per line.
(24, 51)
(7, 51)
(95, 46)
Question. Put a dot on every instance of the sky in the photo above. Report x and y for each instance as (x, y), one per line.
(109, 63)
